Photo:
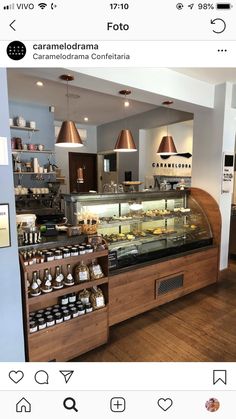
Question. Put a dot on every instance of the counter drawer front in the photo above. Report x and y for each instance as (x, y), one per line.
(135, 292)
(70, 339)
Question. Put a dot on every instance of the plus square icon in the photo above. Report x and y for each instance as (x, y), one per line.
(117, 404)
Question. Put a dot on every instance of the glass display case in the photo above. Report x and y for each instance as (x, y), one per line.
(143, 226)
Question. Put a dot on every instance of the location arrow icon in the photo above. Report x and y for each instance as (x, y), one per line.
(67, 374)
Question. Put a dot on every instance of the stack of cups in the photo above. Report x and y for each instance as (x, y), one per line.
(36, 165)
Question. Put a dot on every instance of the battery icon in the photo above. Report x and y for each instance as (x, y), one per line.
(223, 6)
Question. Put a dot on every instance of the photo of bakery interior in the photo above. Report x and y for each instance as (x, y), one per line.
(117, 214)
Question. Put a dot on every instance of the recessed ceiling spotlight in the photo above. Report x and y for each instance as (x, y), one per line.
(39, 83)
(126, 103)
(86, 119)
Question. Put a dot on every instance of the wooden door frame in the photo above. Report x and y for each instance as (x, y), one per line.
(104, 153)
(71, 153)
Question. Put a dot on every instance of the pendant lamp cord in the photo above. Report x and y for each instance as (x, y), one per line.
(168, 116)
(67, 95)
(125, 114)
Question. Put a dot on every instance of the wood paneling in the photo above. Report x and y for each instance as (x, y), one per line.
(73, 337)
(211, 209)
(199, 327)
(69, 339)
(134, 292)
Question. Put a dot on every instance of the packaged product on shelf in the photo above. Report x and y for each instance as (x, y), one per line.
(88, 308)
(33, 326)
(95, 270)
(69, 278)
(34, 286)
(66, 315)
(81, 273)
(58, 317)
(42, 323)
(97, 298)
(64, 300)
(50, 320)
(84, 296)
(74, 312)
(81, 309)
(72, 297)
(46, 285)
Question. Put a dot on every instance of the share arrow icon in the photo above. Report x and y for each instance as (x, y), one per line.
(67, 374)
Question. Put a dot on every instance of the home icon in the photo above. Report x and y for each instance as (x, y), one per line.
(23, 406)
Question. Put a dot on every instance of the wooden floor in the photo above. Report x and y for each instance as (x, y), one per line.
(197, 327)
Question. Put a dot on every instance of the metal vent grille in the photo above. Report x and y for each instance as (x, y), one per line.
(170, 284)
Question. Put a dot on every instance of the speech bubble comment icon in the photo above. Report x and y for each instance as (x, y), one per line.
(41, 377)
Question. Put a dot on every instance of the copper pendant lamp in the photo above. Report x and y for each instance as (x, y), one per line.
(68, 135)
(125, 142)
(167, 145)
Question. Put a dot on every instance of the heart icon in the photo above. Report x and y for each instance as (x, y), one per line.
(16, 376)
(165, 404)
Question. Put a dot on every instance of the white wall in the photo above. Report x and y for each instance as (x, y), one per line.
(214, 122)
(152, 85)
(149, 141)
(214, 133)
(108, 133)
(11, 326)
(89, 137)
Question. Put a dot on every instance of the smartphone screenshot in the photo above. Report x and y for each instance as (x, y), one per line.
(117, 209)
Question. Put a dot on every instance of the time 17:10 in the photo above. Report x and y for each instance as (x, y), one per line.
(119, 6)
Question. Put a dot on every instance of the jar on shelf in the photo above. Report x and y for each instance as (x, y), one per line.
(18, 143)
(20, 121)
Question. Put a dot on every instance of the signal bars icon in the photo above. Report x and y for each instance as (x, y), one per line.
(9, 7)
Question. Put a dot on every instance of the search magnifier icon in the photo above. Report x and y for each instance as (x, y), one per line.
(70, 404)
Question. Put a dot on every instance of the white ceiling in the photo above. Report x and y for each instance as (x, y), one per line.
(99, 107)
(209, 75)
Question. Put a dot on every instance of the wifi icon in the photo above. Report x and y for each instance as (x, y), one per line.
(42, 5)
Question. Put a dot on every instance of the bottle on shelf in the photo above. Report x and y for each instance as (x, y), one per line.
(57, 282)
(34, 289)
(25, 258)
(46, 285)
(69, 280)
(49, 275)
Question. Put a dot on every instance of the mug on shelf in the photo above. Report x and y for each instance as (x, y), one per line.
(31, 147)
(32, 124)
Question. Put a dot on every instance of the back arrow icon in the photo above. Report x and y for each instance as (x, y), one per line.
(214, 21)
(12, 24)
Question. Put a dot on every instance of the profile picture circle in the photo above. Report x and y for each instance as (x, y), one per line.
(212, 405)
(16, 50)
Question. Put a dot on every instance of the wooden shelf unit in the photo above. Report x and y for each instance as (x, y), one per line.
(24, 128)
(34, 173)
(73, 337)
(14, 151)
(127, 294)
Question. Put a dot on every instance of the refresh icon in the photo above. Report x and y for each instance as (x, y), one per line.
(219, 22)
